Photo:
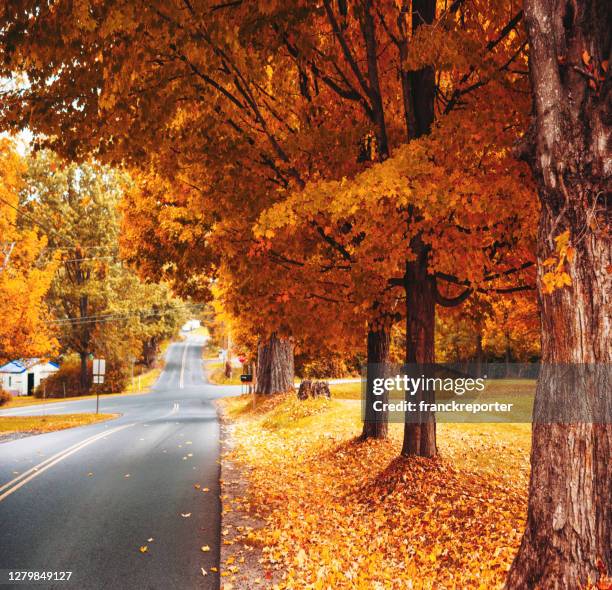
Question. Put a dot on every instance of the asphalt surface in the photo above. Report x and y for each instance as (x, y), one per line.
(85, 500)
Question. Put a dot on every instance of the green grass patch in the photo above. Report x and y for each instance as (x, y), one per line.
(345, 390)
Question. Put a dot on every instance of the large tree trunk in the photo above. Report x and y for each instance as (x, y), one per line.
(420, 437)
(275, 370)
(375, 424)
(569, 522)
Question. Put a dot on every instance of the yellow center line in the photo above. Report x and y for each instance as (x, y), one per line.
(35, 471)
(182, 377)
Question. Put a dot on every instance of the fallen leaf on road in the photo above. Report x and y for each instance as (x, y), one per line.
(150, 540)
(144, 549)
(204, 572)
(184, 458)
(205, 548)
(196, 486)
(127, 475)
(185, 514)
(188, 442)
(205, 490)
(190, 454)
(90, 474)
(214, 569)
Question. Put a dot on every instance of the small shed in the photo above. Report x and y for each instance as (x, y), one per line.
(21, 377)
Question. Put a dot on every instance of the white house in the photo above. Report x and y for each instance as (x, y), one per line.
(22, 376)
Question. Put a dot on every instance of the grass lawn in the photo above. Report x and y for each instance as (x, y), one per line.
(346, 390)
(216, 374)
(147, 379)
(341, 513)
(40, 424)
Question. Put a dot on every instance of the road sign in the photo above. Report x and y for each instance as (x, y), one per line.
(246, 378)
(99, 367)
(98, 379)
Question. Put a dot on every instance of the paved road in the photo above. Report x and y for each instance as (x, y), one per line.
(86, 499)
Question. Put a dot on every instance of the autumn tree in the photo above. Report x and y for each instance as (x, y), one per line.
(241, 103)
(25, 273)
(511, 330)
(569, 524)
(497, 327)
(192, 76)
(416, 210)
(75, 205)
(99, 305)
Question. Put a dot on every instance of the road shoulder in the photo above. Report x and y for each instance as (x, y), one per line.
(15, 427)
(241, 556)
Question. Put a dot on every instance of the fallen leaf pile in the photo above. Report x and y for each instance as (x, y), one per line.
(341, 513)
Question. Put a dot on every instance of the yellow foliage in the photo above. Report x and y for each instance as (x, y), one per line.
(564, 253)
(344, 514)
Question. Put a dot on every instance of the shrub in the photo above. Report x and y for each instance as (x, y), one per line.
(68, 379)
(5, 397)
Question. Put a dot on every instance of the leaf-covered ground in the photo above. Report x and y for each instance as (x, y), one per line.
(340, 513)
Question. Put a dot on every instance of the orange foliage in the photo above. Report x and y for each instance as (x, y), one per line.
(24, 281)
(342, 514)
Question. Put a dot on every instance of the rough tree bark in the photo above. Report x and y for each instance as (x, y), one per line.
(375, 424)
(569, 521)
(311, 389)
(275, 368)
(420, 438)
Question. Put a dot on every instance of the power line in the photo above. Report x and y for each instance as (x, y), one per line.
(93, 319)
(89, 258)
(35, 221)
(51, 248)
(86, 317)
